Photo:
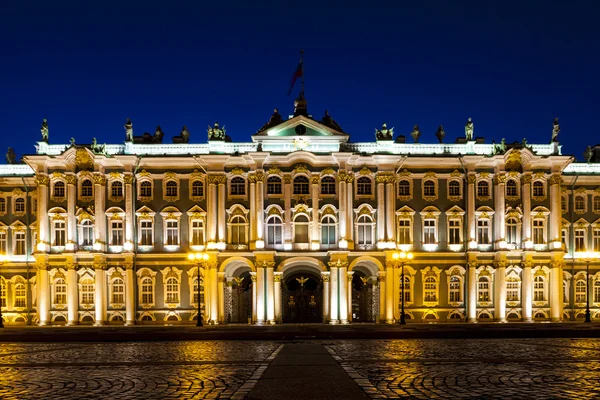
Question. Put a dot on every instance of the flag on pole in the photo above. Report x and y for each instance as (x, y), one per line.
(297, 74)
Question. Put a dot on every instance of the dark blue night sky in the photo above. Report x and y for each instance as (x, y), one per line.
(511, 66)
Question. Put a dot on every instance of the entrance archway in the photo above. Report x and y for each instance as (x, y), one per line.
(241, 298)
(362, 298)
(302, 298)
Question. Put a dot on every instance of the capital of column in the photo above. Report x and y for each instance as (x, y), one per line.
(471, 179)
(500, 178)
(42, 180)
(71, 179)
(100, 180)
(100, 265)
(277, 276)
(128, 179)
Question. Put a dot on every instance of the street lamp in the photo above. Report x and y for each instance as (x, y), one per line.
(198, 258)
(588, 257)
(401, 257)
(3, 260)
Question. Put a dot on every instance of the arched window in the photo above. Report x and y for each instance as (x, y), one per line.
(197, 189)
(454, 188)
(195, 291)
(2, 293)
(539, 288)
(455, 289)
(429, 188)
(274, 185)
(430, 289)
(301, 185)
(483, 289)
(20, 295)
(147, 291)
(364, 227)
(118, 291)
(511, 188)
(171, 189)
(512, 289)
(328, 232)
(301, 229)
(87, 188)
(116, 189)
(2, 205)
(512, 229)
(146, 189)
(20, 205)
(327, 185)
(87, 291)
(483, 189)
(407, 289)
(404, 188)
(60, 291)
(197, 232)
(274, 230)
(580, 204)
(172, 291)
(580, 291)
(87, 233)
(238, 186)
(596, 204)
(238, 230)
(364, 186)
(597, 291)
(59, 189)
(538, 189)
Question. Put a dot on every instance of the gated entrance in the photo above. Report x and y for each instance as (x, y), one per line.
(302, 298)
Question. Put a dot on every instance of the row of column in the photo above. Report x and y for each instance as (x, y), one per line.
(216, 197)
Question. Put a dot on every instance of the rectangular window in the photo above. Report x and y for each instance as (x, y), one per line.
(455, 292)
(596, 239)
(197, 233)
(146, 231)
(60, 233)
(404, 231)
(512, 291)
(19, 243)
(454, 231)
(430, 289)
(116, 237)
(3, 242)
(580, 240)
(538, 231)
(429, 231)
(20, 295)
(483, 231)
(172, 233)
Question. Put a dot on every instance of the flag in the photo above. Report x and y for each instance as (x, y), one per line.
(296, 75)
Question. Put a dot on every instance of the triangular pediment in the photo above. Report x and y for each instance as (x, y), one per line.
(300, 126)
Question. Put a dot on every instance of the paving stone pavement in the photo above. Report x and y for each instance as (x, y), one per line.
(430, 368)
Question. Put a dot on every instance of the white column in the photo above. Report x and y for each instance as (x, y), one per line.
(555, 290)
(44, 298)
(333, 303)
(287, 202)
(526, 195)
(527, 289)
(349, 295)
(343, 288)
(472, 308)
(499, 215)
(382, 294)
(555, 212)
(100, 294)
(253, 211)
(389, 292)
(42, 213)
(260, 207)
(260, 296)
(99, 209)
(471, 211)
(380, 210)
(277, 296)
(315, 239)
(500, 278)
(326, 297)
(221, 209)
(254, 293)
(350, 213)
(129, 294)
(342, 176)
(211, 204)
(214, 294)
(229, 289)
(129, 228)
(71, 219)
(72, 296)
(389, 211)
(221, 297)
(270, 295)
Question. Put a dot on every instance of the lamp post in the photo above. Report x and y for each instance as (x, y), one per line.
(198, 258)
(3, 260)
(401, 257)
(589, 257)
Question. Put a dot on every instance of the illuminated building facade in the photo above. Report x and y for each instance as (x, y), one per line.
(300, 225)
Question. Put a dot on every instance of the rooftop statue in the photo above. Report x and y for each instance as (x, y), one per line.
(440, 133)
(273, 121)
(588, 154)
(416, 133)
(330, 122)
(216, 133)
(469, 129)
(555, 130)
(384, 133)
(158, 135)
(184, 136)
(72, 141)
(128, 130)
(11, 157)
(97, 148)
(44, 130)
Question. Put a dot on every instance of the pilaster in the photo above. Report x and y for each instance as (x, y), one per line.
(526, 196)
(71, 218)
(43, 303)
(42, 181)
(472, 305)
(129, 293)
(72, 292)
(100, 292)
(99, 213)
(129, 227)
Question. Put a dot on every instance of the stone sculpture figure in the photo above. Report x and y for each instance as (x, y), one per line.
(11, 157)
(588, 154)
(216, 132)
(469, 129)
(158, 135)
(185, 134)
(44, 130)
(416, 133)
(555, 130)
(440, 134)
(128, 130)
(384, 133)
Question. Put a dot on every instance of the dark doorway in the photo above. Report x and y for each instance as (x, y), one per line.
(362, 298)
(302, 299)
(241, 299)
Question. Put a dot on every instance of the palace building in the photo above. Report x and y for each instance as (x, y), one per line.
(300, 224)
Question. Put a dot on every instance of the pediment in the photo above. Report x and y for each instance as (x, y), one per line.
(299, 126)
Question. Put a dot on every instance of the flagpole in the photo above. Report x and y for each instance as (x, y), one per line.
(302, 62)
